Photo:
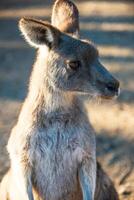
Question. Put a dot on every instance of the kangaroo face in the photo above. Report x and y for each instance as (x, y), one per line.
(76, 67)
(72, 64)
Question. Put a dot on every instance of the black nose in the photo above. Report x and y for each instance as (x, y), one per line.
(113, 86)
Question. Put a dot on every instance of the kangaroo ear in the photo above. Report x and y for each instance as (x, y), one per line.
(39, 33)
(65, 16)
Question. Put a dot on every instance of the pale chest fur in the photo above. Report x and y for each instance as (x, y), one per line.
(54, 147)
(56, 154)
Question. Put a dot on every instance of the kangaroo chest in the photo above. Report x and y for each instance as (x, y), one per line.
(57, 153)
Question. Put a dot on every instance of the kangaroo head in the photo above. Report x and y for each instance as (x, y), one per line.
(71, 64)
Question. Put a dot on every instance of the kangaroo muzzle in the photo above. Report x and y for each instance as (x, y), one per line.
(106, 85)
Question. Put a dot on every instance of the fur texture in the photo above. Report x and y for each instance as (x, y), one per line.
(52, 148)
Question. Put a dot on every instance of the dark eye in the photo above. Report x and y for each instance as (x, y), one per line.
(74, 65)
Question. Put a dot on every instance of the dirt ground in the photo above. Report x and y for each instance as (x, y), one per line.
(111, 26)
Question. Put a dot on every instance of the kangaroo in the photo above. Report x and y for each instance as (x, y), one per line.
(52, 148)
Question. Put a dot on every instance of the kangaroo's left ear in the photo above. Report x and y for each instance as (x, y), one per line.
(39, 33)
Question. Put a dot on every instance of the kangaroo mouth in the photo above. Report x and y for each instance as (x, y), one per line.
(108, 97)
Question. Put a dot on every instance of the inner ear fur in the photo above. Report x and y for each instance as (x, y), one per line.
(65, 16)
(38, 32)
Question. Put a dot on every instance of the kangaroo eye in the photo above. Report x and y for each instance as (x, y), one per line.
(74, 65)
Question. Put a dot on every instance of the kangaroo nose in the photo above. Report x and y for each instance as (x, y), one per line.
(113, 86)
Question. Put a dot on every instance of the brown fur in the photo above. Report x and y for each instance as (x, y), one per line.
(105, 189)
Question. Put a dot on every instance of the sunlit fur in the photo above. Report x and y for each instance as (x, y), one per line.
(53, 139)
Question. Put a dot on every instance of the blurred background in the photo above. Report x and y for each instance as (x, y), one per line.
(110, 24)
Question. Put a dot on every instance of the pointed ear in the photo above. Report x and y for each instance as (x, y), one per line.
(65, 16)
(39, 33)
